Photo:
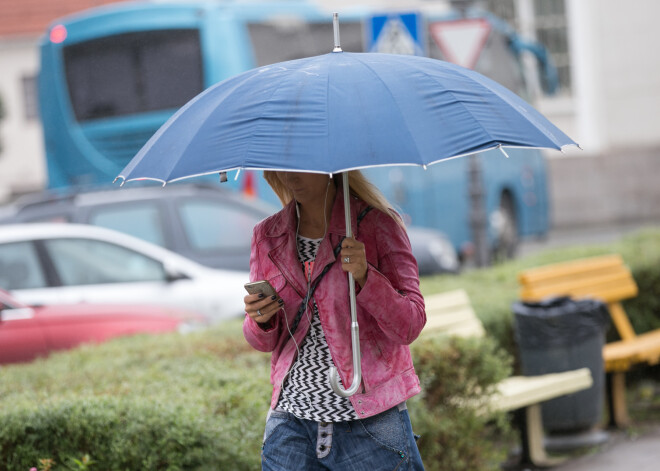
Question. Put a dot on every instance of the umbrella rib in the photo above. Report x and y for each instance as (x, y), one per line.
(258, 127)
(193, 137)
(280, 83)
(460, 102)
(511, 106)
(478, 123)
(373, 72)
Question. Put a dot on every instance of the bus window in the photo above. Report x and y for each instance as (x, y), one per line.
(133, 73)
(281, 41)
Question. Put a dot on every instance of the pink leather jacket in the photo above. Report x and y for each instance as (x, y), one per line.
(390, 307)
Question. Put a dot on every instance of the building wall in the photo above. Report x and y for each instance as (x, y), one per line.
(629, 38)
(612, 188)
(25, 17)
(613, 114)
(21, 160)
(22, 163)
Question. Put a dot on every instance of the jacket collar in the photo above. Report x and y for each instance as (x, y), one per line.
(286, 220)
(284, 224)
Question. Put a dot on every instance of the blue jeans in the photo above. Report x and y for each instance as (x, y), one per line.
(378, 443)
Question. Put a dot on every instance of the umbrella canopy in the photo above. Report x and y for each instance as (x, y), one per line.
(341, 111)
(337, 112)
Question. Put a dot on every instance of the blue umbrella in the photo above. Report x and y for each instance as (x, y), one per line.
(337, 112)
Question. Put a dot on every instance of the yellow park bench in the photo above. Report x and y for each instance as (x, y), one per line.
(608, 279)
(451, 313)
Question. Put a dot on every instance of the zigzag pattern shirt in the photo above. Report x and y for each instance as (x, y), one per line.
(307, 393)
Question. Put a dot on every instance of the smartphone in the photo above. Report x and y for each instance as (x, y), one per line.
(262, 287)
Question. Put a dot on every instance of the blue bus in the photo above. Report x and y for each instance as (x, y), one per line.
(111, 76)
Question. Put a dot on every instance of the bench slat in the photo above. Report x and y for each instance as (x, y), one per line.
(547, 272)
(644, 348)
(447, 300)
(516, 392)
(608, 287)
(462, 322)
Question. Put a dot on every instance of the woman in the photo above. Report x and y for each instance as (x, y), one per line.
(308, 425)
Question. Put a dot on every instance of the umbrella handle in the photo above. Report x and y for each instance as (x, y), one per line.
(333, 376)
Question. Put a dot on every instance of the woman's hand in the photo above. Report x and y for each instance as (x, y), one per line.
(262, 308)
(354, 259)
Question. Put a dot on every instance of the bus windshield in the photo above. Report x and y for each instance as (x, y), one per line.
(278, 41)
(133, 73)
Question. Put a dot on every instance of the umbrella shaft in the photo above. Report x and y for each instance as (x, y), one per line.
(355, 328)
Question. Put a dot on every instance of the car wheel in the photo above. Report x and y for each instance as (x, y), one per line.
(505, 243)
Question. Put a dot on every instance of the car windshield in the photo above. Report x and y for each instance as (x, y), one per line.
(210, 226)
(142, 220)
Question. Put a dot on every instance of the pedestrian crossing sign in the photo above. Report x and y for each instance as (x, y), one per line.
(396, 33)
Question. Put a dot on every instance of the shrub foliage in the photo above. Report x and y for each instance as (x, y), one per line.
(454, 373)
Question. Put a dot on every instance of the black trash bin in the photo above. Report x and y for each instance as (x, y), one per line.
(561, 334)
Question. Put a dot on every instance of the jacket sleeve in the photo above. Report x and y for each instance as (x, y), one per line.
(391, 294)
(260, 338)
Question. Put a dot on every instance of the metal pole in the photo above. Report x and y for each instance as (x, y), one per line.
(478, 217)
(333, 375)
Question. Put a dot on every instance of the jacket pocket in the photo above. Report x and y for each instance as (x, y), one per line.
(380, 355)
(278, 282)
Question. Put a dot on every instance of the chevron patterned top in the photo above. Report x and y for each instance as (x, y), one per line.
(307, 393)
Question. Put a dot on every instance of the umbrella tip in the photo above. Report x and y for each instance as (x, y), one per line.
(335, 28)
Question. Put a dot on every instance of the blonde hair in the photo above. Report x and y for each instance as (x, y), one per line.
(358, 185)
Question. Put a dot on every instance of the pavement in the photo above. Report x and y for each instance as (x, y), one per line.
(624, 451)
(636, 449)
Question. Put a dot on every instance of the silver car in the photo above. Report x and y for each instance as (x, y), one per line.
(52, 263)
(208, 224)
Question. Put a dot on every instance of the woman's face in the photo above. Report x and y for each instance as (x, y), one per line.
(305, 186)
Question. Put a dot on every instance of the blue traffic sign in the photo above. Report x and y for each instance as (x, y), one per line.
(396, 33)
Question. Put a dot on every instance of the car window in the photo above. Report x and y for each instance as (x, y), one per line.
(84, 262)
(142, 221)
(50, 217)
(209, 225)
(20, 267)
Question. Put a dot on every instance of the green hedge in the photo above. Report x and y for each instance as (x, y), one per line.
(198, 402)
(454, 372)
(165, 402)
